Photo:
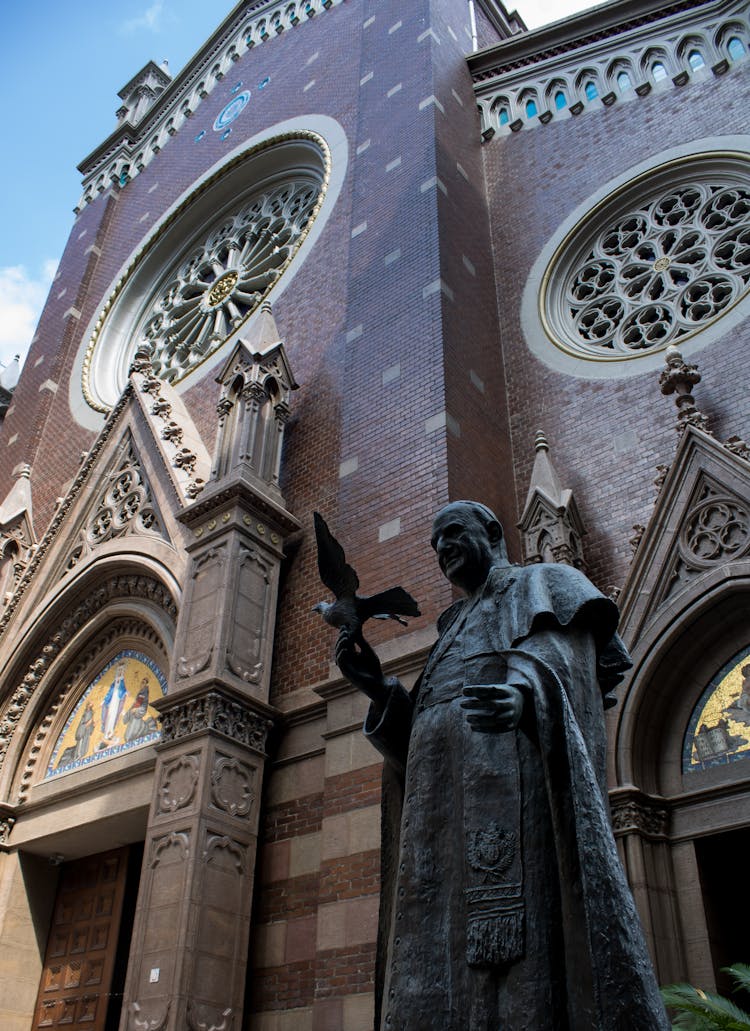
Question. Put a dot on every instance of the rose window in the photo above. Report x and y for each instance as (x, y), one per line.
(208, 265)
(212, 291)
(647, 272)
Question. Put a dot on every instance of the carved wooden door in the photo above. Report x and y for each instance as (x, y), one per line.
(75, 987)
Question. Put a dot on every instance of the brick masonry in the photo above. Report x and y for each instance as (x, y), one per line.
(416, 385)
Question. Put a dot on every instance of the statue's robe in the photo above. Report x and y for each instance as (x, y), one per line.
(504, 904)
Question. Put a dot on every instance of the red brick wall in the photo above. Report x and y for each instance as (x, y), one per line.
(535, 179)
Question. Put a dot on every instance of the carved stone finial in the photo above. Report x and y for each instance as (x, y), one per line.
(540, 442)
(738, 447)
(639, 530)
(679, 378)
(142, 359)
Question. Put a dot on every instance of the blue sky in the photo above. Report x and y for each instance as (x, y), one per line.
(63, 64)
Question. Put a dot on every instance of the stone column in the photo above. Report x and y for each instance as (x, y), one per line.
(188, 955)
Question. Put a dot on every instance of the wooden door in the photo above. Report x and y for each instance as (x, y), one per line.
(76, 981)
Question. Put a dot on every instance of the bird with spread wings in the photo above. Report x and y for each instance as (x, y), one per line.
(350, 609)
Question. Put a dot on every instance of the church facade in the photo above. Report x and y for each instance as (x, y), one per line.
(363, 258)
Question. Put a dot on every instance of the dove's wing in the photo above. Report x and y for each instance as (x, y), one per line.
(393, 602)
(335, 571)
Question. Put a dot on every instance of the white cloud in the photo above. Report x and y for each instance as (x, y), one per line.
(21, 299)
(150, 20)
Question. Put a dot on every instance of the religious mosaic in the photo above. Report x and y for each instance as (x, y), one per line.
(114, 715)
(719, 728)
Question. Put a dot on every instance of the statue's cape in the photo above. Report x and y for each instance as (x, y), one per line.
(548, 595)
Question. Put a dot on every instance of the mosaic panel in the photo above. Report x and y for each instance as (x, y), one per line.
(114, 714)
(719, 727)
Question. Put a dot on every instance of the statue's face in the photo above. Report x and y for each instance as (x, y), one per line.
(463, 547)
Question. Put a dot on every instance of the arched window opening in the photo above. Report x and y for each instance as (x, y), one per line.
(561, 100)
(736, 48)
(531, 109)
(695, 60)
(591, 91)
(503, 117)
(658, 71)
(623, 82)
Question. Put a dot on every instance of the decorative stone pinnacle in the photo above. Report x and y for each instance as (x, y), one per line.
(679, 378)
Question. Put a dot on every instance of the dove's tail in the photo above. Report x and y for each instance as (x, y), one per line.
(392, 603)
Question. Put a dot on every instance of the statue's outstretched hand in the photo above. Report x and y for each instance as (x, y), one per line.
(361, 666)
(493, 708)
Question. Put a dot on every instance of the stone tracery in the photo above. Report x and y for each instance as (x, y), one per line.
(654, 273)
(212, 291)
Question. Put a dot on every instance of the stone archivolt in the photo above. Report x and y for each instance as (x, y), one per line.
(115, 588)
(117, 632)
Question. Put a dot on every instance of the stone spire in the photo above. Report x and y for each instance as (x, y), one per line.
(551, 527)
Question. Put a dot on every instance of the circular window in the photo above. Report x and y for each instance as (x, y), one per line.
(206, 269)
(657, 261)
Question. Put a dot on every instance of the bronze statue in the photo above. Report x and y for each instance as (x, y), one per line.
(504, 906)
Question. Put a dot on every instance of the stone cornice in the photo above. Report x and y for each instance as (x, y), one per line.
(594, 26)
(518, 81)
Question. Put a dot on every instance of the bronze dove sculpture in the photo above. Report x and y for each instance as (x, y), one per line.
(351, 609)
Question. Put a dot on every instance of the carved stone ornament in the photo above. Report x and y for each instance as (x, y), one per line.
(116, 587)
(125, 505)
(65, 506)
(139, 1021)
(207, 576)
(247, 636)
(643, 817)
(174, 847)
(230, 854)
(199, 1018)
(215, 712)
(178, 783)
(232, 786)
(679, 378)
(715, 530)
(6, 826)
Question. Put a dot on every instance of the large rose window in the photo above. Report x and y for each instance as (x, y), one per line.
(639, 274)
(208, 265)
(223, 280)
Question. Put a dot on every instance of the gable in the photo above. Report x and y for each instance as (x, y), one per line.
(700, 521)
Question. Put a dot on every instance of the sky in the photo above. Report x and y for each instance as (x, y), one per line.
(63, 64)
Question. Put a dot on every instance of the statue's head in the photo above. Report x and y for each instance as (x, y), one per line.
(468, 540)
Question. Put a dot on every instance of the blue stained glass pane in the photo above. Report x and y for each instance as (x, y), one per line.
(531, 108)
(623, 82)
(695, 59)
(237, 87)
(560, 100)
(591, 91)
(736, 48)
(504, 117)
(658, 71)
(200, 135)
(225, 133)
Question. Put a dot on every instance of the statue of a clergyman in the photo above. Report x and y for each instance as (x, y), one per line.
(504, 904)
